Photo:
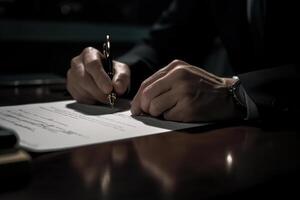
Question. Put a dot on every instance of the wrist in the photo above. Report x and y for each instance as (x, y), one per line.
(237, 96)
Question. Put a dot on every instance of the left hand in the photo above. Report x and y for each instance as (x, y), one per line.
(182, 92)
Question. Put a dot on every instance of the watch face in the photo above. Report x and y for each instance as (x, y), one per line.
(238, 93)
(235, 78)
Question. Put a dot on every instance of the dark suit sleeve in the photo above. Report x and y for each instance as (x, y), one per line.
(274, 91)
(174, 36)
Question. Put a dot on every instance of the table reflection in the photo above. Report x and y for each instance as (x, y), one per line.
(165, 164)
(178, 162)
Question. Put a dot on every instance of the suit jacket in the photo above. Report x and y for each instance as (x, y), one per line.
(268, 68)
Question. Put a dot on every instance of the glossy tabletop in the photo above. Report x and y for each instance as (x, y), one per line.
(234, 161)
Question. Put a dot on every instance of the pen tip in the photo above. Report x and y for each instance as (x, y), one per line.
(112, 99)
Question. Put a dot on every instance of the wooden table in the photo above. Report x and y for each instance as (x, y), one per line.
(239, 162)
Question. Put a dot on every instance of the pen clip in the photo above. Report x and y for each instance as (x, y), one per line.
(108, 60)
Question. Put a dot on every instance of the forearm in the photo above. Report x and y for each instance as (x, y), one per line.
(172, 37)
(140, 60)
(273, 91)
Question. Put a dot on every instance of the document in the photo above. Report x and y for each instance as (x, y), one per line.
(66, 124)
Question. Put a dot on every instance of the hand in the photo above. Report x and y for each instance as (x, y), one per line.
(88, 82)
(182, 92)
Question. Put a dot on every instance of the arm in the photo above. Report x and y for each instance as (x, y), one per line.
(169, 38)
(270, 89)
(172, 37)
(274, 91)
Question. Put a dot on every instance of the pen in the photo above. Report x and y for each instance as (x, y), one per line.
(108, 65)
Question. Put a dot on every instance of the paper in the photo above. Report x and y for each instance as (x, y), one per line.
(66, 124)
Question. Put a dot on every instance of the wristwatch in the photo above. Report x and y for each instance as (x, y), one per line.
(238, 96)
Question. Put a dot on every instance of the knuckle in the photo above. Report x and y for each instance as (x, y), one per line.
(180, 68)
(173, 64)
(74, 61)
(177, 62)
(145, 95)
(180, 72)
(88, 50)
(144, 84)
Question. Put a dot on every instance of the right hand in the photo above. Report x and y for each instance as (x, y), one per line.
(88, 82)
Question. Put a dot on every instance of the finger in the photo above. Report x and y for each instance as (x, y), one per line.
(147, 82)
(74, 77)
(144, 96)
(90, 86)
(78, 78)
(76, 62)
(160, 73)
(162, 103)
(183, 111)
(121, 82)
(81, 85)
(174, 114)
(136, 102)
(155, 89)
(92, 61)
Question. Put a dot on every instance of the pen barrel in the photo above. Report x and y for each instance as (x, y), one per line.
(111, 75)
(108, 67)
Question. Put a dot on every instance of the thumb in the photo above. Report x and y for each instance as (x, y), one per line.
(121, 79)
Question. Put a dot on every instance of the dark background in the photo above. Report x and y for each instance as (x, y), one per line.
(39, 36)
